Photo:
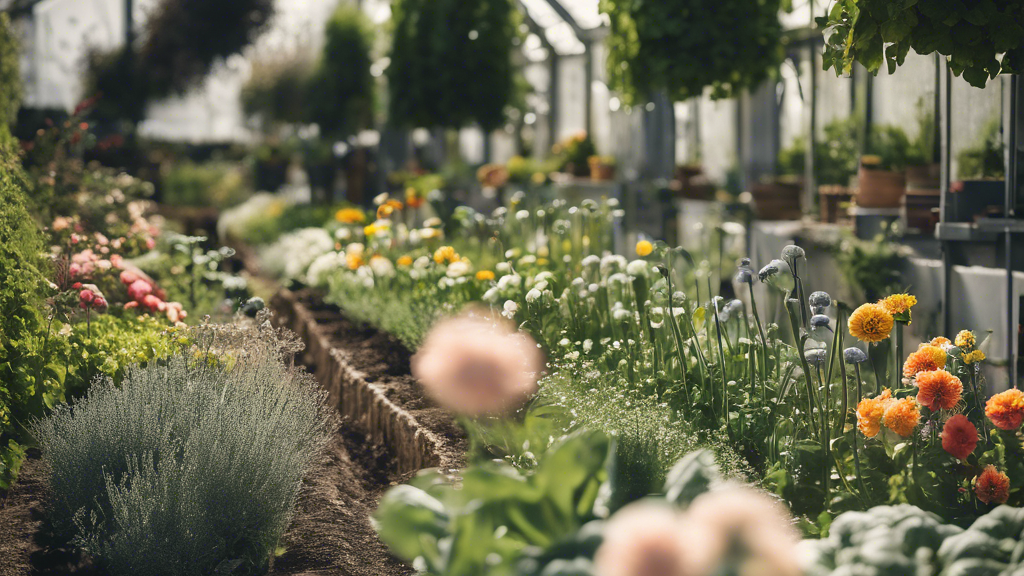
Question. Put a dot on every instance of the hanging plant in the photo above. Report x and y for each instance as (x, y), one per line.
(980, 39)
(340, 91)
(451, 62)
(685, 46)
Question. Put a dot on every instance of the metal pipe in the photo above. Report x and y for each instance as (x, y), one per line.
(1012, 85)
(944, 203)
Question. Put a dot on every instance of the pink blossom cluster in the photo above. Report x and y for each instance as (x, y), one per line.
(87, 262)
(143, 294)
(90, 297)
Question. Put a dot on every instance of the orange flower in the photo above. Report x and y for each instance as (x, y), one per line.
(404, 261)
(959, 437)
(1006, 409)
(871, 323)
(924, 359)
(485, 275)
(938, 390)
(992, 486)
(940, 341)
(385, 210)
(870, 412)
(354, 261)
(350, 216)
(395, 204)
(902, 416)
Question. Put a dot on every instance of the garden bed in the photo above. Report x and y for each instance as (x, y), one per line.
(330, 533)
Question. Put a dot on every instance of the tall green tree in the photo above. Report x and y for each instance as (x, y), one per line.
(10, 76)
(451, 62)
(340, 91)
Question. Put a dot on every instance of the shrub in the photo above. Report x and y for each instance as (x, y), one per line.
(10, 76)
(190, 466)
(219, 184)
(341, 87)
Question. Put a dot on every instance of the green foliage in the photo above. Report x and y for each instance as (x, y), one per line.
(685, 46)
(870, 267)
(219, 184)
(10, 75)
(836, 156)
(907, 540)
(451, 62)
(340, 90)
(891, 145)
(985, 158)
(979, 39)
(277, 92)
(190, 466)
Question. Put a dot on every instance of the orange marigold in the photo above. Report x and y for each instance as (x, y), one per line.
(870, 412)
(871, 323)
(902, 416)
(924, 359)
(1006, 409)
(354, 261)
(959, 437)
(992, 486)
(485, 275)
(940, 341)
(404, 261)
(938, 390)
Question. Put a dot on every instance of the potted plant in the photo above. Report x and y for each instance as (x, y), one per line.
(980, 188)
(882, 180)
(921, 202)
(602, 168)
(573, 154)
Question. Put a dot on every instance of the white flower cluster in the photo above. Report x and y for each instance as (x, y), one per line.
(234, 221)
(293, 253)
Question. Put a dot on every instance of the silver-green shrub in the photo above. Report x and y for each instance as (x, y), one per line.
(191, 466)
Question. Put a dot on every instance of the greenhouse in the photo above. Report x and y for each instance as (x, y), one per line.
(511, 287)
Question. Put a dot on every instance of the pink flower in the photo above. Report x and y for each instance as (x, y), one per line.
(128, 277)
(139, 289)
(760, 525)
(74, 238)
(116, 260)
(75, 269)
(101, 239)
(60, 223)
(104, 264)
(150, 243)
(175, 313)
(475, 366)
(153, 303)
(131, 305)
(646, 539)
(86, 296)
(100, 303)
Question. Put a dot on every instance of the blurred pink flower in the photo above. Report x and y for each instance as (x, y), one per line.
(742, 520)
(60, 223)
(175, 313)
(128, 277)
(139, 289)
(153, 303)
(647, 539)
(477, 366)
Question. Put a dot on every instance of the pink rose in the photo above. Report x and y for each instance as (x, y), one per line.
(139, 289)
(86, 296)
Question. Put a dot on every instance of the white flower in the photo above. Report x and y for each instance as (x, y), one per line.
(528, 259)
(637, 268)
(422, 263)
(532, 296)
(591, 260)
(415, 237)
(588, 345)
(491, 296)
(510, 281)
(355, 249)
(564, 342)
(380, 199)
(458, 269)
(324, 264)
(65, 330)
(432, 222)
(510, 309)
(503, 267)
(381, 266)
(445, 283)
(522, 215)
(342, 234)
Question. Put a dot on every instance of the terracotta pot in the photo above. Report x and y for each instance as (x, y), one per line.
(880, 188)
(602, 172)
(777, 200)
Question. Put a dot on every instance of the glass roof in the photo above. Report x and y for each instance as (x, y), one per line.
(559, 33)
(585, 13)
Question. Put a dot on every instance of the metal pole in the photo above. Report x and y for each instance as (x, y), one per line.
(945, 96)
(129, 24)
(812, 128)
(1012, 86)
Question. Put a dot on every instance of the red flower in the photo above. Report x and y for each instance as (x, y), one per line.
(77, 286)
(959, 437)
(153, 303)
(139, 289)
(128, 277)
(100, 303)
(938, 390)
(992, 486)
(86, 296)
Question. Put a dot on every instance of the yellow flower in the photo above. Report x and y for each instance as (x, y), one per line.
(446, 254)
(354, 261)
(539, 178)
(899, 305)
(350, 216)
(965, 340)
(385, 210)
(940, 341)
(974, 357)
(431, 233)
(870, 323)
(644, 248)
(485, 275)
(404, 261)
(542, 262)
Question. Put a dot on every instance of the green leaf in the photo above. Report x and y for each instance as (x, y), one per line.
(410, 522)
(691, 477)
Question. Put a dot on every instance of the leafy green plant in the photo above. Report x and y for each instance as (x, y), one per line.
(10, 74)
(219, 184)
(979, 39)
(451, 62)
(685, 46)
(891, 147)
(835, 156)
(340, 90)
(870, 267)
(192, 465)
(985, 158)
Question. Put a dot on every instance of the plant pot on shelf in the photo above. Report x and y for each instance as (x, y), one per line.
(977, 198)
(834, 201)
(920, 210)
(691, 184)
(777, 200)
(600, 170)
(880, 188)
(923, 176)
